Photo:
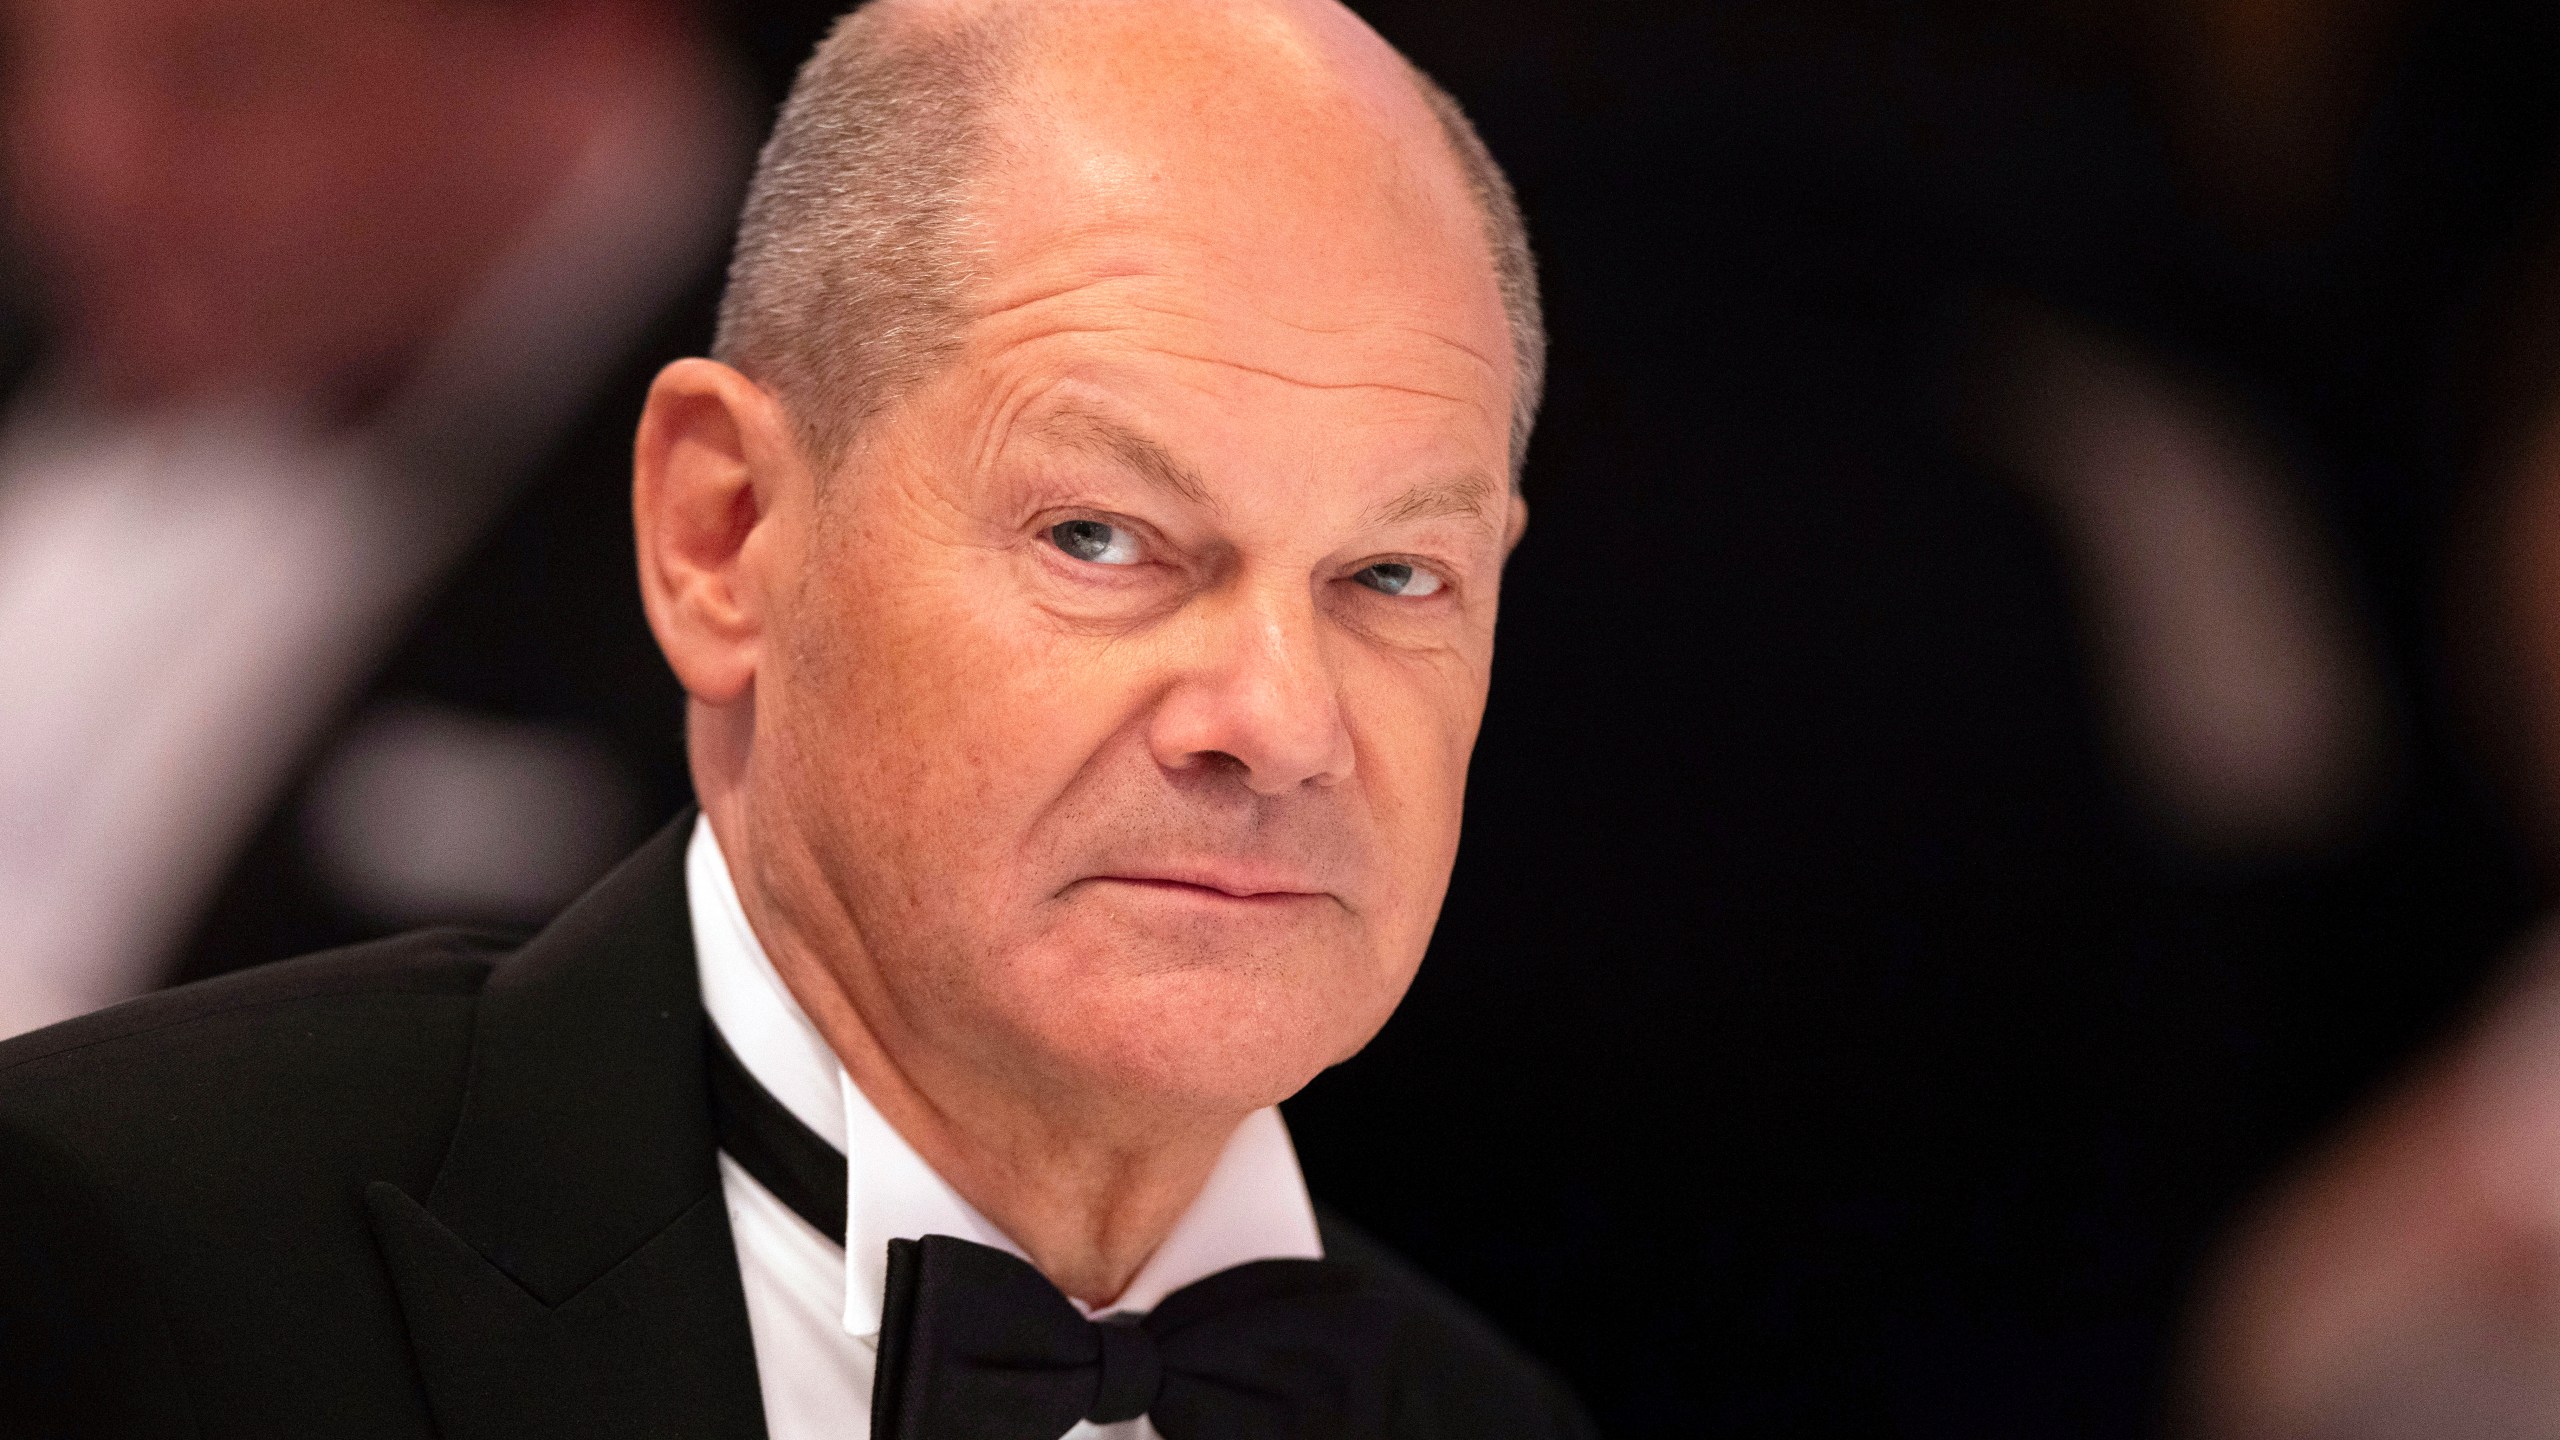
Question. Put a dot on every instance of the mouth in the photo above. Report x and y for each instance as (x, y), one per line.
(1259, 891)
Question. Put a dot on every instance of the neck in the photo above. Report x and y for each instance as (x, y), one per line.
(1088, 1183)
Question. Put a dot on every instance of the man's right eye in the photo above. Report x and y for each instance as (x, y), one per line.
(1098, 541)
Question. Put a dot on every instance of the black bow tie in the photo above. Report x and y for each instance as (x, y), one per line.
(975, 1344)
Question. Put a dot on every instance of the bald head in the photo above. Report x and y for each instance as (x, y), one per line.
(928, 138)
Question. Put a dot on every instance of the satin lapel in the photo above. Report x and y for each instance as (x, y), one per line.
(571, 1271)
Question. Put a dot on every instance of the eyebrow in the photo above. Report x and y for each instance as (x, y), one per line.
(1101, 435)
(1465, 496)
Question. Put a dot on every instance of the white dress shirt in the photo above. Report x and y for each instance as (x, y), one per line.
(813, 1305)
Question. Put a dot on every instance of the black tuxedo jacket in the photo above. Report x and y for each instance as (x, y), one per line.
(435, 1186)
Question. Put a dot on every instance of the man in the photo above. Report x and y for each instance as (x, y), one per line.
(312, 505)
(1083, 574)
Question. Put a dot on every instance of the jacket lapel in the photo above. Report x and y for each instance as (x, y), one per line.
(571, 1271)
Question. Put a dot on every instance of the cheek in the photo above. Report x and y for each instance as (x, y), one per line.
(1414, 723)
(954, 717)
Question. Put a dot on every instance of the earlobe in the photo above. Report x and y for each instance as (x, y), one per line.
(709, 468)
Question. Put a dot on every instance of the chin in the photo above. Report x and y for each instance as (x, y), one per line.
(1211, 1028)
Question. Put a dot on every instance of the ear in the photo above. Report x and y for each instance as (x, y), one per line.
(716, 475)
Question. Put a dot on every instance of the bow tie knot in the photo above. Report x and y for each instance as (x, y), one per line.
(1132, 1372)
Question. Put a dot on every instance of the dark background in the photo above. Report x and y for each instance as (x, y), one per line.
(1818, 1041)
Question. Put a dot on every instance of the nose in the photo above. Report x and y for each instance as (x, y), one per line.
(1259, 696)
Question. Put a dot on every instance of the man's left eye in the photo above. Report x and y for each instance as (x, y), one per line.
(1098, 541)
(1394, 577)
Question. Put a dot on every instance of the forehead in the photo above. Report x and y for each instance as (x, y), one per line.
(1263, 196)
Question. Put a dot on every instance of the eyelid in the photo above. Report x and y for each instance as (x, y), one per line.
(1441, 568)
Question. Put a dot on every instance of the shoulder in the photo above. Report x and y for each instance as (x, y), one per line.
(181, 1187)
(355, 1040)
(1468, 1378)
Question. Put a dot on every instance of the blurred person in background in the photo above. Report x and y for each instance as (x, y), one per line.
(315, 591)
(2405, 1284)
(2405, 1279)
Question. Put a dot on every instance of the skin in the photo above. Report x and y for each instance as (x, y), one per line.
(281, 197)
(1078, 862)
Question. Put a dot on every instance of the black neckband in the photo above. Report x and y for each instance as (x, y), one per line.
(759, 1132)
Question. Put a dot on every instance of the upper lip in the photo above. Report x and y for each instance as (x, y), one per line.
(1241, 879)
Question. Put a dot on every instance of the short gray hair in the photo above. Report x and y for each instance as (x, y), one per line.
(848, 282)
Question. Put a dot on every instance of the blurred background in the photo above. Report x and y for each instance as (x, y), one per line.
(2003, 873)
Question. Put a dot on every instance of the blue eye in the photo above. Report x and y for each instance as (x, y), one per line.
(1097, 541)
(1394, 577)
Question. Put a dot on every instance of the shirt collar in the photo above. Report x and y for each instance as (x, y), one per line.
(1254, 1206)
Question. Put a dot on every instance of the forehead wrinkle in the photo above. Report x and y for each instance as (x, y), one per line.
(1053, 290)
(1261, 307)
(1140, 305)
(1097, 434)
(1303, 383)
(1062, 328)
